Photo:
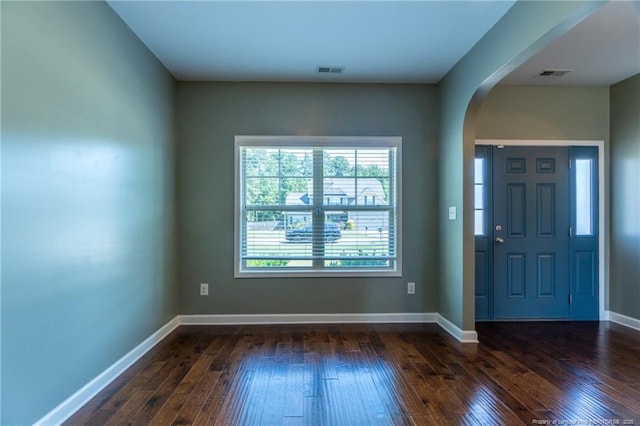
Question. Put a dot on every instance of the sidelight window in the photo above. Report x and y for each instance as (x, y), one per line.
(479, 196)
(584, 203)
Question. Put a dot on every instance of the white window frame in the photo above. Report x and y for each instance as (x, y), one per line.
(323, 142)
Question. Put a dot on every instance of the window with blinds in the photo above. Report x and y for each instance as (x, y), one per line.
(323, 206)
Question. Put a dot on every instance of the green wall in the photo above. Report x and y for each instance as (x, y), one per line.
(624, 288)
(87, 199)
(527, 112)
(513, 40)
(208, 117)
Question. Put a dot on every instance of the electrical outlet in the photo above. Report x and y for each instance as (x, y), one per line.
(411, 288)
(453, 213)
(204, 289)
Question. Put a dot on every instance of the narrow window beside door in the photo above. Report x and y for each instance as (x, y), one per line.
(584, 205)
(479, 204)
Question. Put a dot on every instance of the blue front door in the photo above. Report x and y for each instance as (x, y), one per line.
(530, 228)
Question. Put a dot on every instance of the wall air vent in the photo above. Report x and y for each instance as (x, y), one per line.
(330, 70)
(553, 73)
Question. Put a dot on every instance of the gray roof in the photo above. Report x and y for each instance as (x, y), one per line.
(342, 187)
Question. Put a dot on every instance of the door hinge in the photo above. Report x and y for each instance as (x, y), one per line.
(570, 232)
(569, 163)
(570, 299)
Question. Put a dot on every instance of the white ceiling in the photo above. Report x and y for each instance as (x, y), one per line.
(376, 41)
(602, 50)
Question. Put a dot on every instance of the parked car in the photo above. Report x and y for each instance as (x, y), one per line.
(331, 233)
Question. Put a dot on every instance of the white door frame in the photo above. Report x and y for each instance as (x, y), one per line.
(602, 231)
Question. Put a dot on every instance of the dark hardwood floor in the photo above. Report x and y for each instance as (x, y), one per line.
(583, 373)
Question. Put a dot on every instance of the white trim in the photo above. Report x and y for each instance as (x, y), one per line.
(329, 141)
(232, 319)
(539, 142)
(324, 142)
(76, 401)
(602, 230)
(72, 404)
(623, 320)
(324, 273)
(463, 336)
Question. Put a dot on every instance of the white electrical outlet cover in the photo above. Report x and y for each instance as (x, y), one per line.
(452, 213)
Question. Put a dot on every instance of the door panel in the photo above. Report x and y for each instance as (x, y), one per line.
(517, 275)
(531, 232)
(546, 208)
(516, 209)
(546, 282)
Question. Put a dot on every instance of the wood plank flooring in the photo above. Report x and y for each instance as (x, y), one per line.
(584, 373)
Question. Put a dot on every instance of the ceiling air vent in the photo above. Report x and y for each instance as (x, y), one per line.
(552, 73)
(330, 70)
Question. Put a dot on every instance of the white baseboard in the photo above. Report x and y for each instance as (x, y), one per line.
(416, 317)
(72, 404)
(63, 411)
(463, 336)
(623, 320)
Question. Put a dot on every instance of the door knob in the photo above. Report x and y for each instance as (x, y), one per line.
(499, 240)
